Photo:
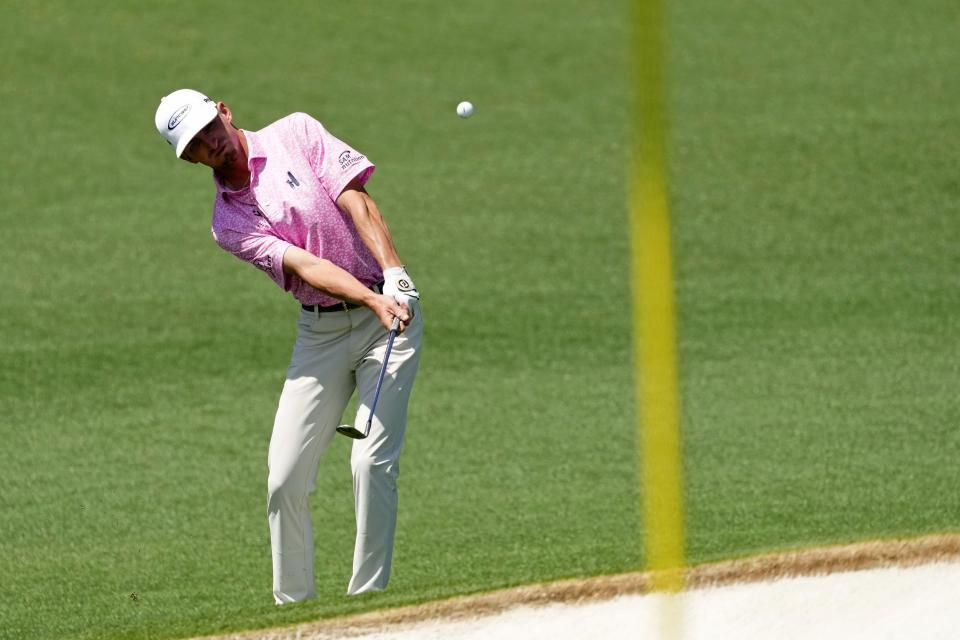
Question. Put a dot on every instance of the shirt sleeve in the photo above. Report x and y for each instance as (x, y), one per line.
(334, 162)
(262, 250)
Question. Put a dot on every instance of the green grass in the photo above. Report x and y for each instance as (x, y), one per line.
(815, 207)
(817, 229)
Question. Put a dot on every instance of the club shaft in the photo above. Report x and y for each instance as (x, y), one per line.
(383, 371)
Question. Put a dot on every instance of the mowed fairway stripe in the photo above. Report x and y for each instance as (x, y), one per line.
(653, 305)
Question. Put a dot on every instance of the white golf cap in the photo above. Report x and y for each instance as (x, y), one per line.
(181, 115)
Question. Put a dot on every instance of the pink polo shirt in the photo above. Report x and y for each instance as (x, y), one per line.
(297, 171)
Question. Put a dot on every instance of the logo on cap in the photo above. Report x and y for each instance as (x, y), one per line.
(178, 117)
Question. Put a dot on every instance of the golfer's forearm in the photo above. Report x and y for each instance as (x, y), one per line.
(374, 233)
(371, 227)
(325, 276)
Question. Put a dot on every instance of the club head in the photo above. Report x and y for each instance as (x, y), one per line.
(349, 431)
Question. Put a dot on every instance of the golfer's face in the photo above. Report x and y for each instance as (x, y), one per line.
(213, 145)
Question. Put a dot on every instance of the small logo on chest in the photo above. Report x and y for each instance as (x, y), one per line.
(292, 180)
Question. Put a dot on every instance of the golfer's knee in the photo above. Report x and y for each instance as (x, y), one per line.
(376, 469)
(283, 487)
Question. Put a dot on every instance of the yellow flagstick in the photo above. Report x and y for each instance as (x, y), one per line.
(653, 306)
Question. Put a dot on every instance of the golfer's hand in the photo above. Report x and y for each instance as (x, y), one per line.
(398, 283)
(387, 308)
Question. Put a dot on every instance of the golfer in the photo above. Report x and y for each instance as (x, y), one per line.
(290, 200)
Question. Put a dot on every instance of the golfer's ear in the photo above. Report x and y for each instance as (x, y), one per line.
(225, 112)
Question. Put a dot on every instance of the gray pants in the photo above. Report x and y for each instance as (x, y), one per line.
(335, 353)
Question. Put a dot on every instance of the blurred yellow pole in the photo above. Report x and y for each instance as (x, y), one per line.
(653, 307)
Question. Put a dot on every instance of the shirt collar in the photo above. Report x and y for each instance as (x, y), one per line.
(256, 159)
(255, 150)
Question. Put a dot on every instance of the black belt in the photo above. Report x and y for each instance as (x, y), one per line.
(340, 306)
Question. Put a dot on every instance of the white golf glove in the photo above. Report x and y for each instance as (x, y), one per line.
(398, 284)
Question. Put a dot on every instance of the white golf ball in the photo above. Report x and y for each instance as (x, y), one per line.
(465, 109)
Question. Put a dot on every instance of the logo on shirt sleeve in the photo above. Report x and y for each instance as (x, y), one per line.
(349, 158)
(266, 263)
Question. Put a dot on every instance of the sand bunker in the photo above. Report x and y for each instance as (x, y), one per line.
(882, 589)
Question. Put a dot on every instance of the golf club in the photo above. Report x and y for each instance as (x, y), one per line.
(348, 429)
